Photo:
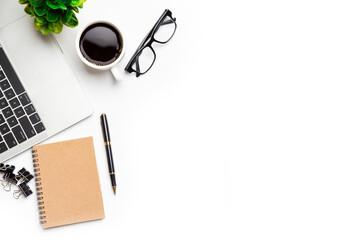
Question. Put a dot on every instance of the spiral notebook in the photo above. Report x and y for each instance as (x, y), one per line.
(67, 182)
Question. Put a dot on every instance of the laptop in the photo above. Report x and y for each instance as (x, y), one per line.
(39, 94)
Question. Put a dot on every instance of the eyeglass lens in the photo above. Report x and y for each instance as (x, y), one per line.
(145, 58)
(165, 31)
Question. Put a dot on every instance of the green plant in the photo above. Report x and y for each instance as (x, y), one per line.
(51, 15)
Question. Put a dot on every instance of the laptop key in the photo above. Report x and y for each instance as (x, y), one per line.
(26, 125)
(24, 99)
(34, 118)
(4, 85)
(19, 134)
(12, 121)
(19, 112)
(2, 119)
(10, 140)
(14, 103)
(3, 147)
(9, 93)
(2, 75)
(7, 112)
(4, 128)
(1, 94)
(1, 139)
(39, 127)
(29, 109)
(3, 103)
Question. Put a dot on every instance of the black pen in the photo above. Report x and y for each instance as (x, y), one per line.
(107, 142)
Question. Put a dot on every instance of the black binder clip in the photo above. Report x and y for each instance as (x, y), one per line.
(9, 180)
(6, 168)
(24, 189)
(24, 176)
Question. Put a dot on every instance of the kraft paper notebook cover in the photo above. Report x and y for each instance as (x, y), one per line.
(67, 182)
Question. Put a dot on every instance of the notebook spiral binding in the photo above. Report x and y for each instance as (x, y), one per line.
(38, 184)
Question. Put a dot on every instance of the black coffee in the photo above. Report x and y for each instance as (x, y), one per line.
(101, 44)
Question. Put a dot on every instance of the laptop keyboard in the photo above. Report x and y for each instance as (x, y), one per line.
(19, 120)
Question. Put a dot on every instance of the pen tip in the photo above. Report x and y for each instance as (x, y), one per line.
(114, 188)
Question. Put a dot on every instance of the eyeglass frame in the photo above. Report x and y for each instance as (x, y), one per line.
(149, 40)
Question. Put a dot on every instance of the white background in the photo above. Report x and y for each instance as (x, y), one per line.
(247, 126)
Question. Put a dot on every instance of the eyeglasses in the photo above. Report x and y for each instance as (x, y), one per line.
(144, 57)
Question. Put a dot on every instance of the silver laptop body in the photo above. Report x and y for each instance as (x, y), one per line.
(39, 94)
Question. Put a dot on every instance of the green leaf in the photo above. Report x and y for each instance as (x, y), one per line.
(65, 2)
(66, 16)
(41, 11)
(41, 20)
(52, 4)
(81, 6)
(73, 21)
(82, 1)
(75, 9)
(75, 3)
(37, 3)
(27, 9)
(33, 13)
(55, 4)
(43, 28)
(23, 1)
(37, 24)
(56, 27)
(52, 15)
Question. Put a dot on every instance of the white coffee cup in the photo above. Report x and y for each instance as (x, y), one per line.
(112, 66)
